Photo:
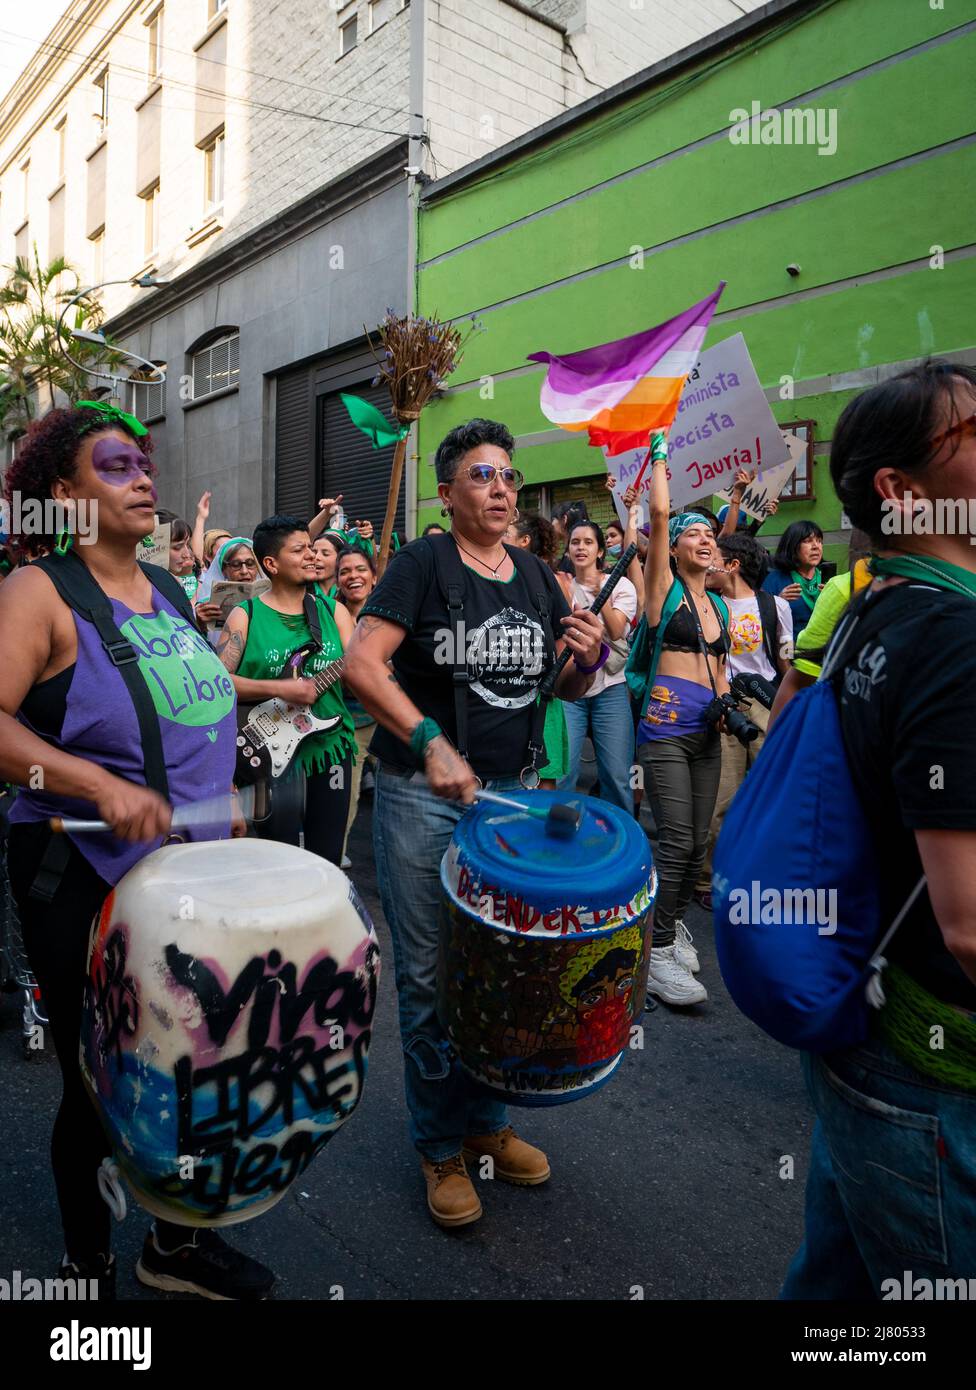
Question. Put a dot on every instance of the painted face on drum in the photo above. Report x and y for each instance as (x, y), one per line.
(605, 993)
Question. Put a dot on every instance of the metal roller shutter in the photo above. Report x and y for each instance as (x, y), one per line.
(350, 466)
(294, 446)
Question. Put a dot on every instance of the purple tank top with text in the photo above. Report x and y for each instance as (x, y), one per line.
(194, 699)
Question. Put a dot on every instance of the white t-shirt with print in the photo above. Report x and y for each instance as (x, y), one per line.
(624, 599)
(748, 652)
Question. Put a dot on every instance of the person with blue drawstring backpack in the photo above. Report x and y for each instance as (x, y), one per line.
(845, 875)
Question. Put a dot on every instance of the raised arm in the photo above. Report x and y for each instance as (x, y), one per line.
(199, 526)
(635, 570)
(657, 566)
(320, 522)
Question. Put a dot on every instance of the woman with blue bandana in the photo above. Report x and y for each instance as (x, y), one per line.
(679, 752)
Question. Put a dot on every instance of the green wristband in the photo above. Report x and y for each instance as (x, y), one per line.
(425, 732)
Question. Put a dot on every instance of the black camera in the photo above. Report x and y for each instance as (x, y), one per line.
(736, 723)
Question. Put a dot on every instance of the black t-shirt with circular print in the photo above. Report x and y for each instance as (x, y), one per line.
(506, 655)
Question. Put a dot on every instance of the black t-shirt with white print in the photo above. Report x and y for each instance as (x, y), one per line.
(908, 714)
(505, 650)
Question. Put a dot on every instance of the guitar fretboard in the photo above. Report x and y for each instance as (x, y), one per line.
(327, 677)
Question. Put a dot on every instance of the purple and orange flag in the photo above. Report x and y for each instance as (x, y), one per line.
(623, 391)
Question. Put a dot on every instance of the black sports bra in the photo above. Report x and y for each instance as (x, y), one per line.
(681, 635)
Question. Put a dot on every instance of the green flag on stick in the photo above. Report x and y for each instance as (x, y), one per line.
(373, 422)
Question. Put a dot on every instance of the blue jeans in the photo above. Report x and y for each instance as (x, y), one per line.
(412, 829)
(607, 719)
(892, 1183)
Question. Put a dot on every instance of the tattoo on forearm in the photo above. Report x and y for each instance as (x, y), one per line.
(230, 649)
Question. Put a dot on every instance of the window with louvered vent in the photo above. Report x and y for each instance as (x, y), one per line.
(217, 366)
(148, 398)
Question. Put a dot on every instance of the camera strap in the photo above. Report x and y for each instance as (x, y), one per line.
(702, 645)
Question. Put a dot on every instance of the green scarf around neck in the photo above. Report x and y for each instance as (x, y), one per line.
(927, 569)
(809, 588)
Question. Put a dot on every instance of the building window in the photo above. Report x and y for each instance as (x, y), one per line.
(213, 157)
(151, 220)
(800, 486)
(216, 366)
(348, 35)
(25, 188)
(101, 99)
(379, 12)
(61, 134)
(22, 242)
(215, 8)
(98, 256)
(147, 399)
(154, 34)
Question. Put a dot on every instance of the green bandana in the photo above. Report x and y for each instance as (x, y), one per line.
(809, 588)
(927, 569)
(111, 415)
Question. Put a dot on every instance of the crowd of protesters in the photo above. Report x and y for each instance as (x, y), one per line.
(704, 628)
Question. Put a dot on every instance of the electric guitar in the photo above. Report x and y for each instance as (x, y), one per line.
(269, 734)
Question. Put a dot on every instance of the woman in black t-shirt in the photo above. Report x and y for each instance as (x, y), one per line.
(892, 1179)
(423, 784)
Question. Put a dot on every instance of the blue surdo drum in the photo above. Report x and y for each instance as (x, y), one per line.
(545, 936)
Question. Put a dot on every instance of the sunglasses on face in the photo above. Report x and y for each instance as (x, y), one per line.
(240, 564)
(485, 473)
(963, 429)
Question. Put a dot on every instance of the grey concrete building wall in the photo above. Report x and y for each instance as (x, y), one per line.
(296, 295)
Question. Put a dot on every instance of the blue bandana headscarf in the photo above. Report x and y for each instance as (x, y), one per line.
(679, 524)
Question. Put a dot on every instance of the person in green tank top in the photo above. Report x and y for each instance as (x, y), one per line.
(258, 640)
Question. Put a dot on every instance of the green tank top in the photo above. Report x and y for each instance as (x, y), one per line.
(271, 639)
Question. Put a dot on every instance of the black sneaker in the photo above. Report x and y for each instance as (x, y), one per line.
(94, 1279)
(206, 1265)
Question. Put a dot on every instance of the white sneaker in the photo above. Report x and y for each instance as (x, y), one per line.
(684, 950)
(669, 980)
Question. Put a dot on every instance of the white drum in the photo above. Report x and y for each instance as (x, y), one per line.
(230, 996)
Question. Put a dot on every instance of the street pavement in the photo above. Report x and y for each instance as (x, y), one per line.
(665, 1185)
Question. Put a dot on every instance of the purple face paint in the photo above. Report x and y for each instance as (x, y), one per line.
(119, 463)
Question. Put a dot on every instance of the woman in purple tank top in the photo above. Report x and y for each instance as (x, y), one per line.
(69, 739)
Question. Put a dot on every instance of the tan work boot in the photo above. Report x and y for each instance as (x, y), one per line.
(451, 1197)
(515, 1160)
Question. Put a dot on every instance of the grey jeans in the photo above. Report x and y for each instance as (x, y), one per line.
(681, 777)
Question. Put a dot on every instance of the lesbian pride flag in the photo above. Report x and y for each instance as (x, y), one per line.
(622, 391)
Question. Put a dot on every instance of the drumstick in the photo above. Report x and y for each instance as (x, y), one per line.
(206, 812)
(562, 819)
(613, 579)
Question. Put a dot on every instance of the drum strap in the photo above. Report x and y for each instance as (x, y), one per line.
(450, 580)
(80, 591)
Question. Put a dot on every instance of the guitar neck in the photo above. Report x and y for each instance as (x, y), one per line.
(327, 677)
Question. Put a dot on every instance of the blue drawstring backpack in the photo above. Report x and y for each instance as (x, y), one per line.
(797, 912)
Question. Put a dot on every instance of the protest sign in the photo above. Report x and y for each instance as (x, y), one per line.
(154, 549)
(768, 487)
(724, 423)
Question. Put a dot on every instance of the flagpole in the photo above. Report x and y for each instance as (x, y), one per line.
(640, 472)
(396, 477)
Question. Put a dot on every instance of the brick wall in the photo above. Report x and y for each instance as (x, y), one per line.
(493, 73)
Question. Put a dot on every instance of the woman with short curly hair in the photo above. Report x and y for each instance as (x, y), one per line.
(71, 741)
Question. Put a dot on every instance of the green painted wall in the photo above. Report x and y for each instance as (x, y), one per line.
(860, 222)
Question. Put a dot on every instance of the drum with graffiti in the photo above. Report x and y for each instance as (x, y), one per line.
(544, 946)
(230, 996)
